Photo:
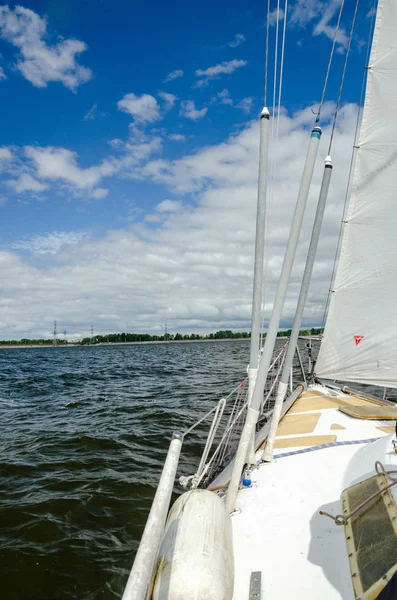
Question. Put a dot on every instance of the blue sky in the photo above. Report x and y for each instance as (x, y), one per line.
(128, 158)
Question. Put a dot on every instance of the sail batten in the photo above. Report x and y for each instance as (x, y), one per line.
(360, 337)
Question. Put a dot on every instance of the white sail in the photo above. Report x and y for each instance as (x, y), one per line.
(360, 338)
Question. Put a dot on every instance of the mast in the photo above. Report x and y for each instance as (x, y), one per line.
(311, 255)
(259, 251)
(256, 399)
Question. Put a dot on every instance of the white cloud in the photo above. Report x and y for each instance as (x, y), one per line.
(49, 243)
(5, 153)
(139, 148)
(27, 183)
(189, 110)
(169, 99)
(245, 104)
(116, 143)
(60, 164)
(38, 61)
(99, 193)
(224, 68)
(194, 269)
(144, 109)
(224, 97)
(153, 218)
(177, 137)
(321, 13)
(3, 76)
(169, 206)
(174, 75)
(276, 15)
(93, 113)
(237, 40)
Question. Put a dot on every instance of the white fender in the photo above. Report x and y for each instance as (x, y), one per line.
(196, 561)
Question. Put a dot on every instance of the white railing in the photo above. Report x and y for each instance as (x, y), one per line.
(143, 567)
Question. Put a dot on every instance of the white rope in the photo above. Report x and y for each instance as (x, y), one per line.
(185, 433)
(239, 414)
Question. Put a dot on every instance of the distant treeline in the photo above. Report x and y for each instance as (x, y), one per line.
(29, 342)
(119, 338)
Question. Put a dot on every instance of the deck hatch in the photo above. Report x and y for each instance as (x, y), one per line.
(371, 411)
(371, 537)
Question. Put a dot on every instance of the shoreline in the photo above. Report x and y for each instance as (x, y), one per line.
(105, 344)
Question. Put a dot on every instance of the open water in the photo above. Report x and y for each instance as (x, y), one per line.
(83, 435)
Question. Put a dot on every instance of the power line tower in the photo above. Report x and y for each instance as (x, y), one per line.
(92, 335)
(55, 339)
(166, 336)
(64, 335)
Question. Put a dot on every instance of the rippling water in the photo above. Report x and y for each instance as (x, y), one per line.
(84, 433)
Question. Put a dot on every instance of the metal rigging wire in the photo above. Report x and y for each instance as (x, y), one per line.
(330, 61)
(343, 76)
(277, 91)
(267, 52)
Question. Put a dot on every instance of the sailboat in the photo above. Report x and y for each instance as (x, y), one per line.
(303, 505)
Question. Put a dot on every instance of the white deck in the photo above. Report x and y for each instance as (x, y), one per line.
(279, 531)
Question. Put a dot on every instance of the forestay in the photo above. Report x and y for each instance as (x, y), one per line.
(360, 338)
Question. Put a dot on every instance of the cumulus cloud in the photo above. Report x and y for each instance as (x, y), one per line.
(189, 111)
(275, 15)
(224, 68)
(169, 99)
(169, 206)
(38, 61)
(245, 104)
(237, 40)
(5, 153)
(320, 14)
(224, 97)
(174, 75)
(143, 109)
(194, 269)
(177, 137)
(99, 193)
(52, 163)
(27, 183)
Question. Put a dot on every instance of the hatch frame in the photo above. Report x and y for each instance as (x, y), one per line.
(389, 503)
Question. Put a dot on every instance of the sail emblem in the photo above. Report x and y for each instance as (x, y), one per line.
(357, 339)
